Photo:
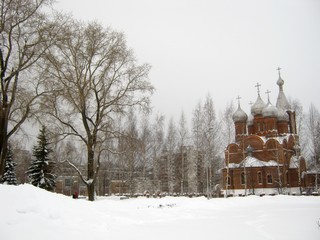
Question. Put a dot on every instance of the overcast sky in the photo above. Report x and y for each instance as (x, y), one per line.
(221, 47)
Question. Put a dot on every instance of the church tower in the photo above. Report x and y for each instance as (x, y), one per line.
(285, 111)
(270, 116)
(240, 122)
(256, 111)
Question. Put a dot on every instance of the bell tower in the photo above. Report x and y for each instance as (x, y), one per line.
(283, 105)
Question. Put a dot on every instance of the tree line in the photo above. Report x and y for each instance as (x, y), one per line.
(76, 77)
(82, 82)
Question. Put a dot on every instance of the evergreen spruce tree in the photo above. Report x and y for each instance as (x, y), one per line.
(41, 169)
(9, 176)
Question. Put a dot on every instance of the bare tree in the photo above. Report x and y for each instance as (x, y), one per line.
(130, 148)
(275, 151)
(157, 144)
(26, 34)
(314, 136)
(95, 77)
(197, 136)
(227, 124)
(145, 145)
(183, 135)
(296, 107)
(197, 126)
(171, 145)
(301, 123)
(210, 143)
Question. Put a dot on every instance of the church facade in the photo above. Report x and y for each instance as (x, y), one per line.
(265, 156)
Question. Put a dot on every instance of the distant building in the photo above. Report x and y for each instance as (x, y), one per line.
(265, 157)
(181, 172)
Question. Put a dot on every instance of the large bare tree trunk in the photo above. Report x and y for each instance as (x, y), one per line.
(90, 174)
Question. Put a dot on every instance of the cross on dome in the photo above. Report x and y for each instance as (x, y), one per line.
(238, 98)
(279, 71)
(280, 81)
(268, 93)
(258, 85)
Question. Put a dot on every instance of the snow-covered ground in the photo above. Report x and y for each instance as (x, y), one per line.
(27, 212)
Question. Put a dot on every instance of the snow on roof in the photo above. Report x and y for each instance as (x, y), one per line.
(294, 162)
(280, 139)
(254, 162)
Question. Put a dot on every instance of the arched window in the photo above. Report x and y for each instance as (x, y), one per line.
(269, 178)
(228, 181)
(243, 178)
(259, 177)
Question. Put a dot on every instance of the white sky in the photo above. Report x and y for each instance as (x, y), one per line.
(221, 47)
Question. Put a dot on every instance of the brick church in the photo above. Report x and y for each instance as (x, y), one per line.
(265, 157)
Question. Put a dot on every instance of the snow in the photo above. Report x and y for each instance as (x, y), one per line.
(294, 162)
(254, 162)
(28, 212)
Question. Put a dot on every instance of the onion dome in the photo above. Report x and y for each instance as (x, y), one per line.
(239, 115)
(269, 110)
(280, 83)
(282, 101)
(282, 115)
(258, 106)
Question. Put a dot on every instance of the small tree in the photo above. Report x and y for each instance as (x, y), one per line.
(9, 176)
(40, 171)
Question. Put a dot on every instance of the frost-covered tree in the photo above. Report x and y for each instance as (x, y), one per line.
(129, 148)
(95, 77)
(197, 126)
(145, 144)
(26, 35)
(9, 176)
(197, 139)
(171, 146)
(182, 132)
(313, 123)
(41, 169)
(227, 126)
(158, 140)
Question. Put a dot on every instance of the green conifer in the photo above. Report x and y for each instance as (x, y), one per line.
(9, 176)
(41, 169)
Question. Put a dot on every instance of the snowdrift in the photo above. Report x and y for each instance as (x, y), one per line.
(27, 212)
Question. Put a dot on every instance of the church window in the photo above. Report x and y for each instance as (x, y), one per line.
(269, 179)
(243, 178)
(260, 177)
(228, 180)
